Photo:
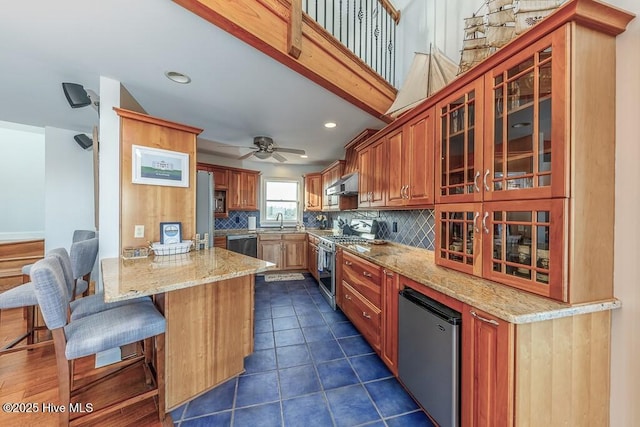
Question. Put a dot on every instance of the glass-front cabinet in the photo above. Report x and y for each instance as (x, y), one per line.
(518, 243)
(525, 142)
(458, 145)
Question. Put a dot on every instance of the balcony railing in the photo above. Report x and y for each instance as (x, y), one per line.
(366, 27)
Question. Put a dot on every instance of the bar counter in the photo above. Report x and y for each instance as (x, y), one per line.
(207, 298)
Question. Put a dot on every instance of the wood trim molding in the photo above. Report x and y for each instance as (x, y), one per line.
(156, 121)
(294, 33)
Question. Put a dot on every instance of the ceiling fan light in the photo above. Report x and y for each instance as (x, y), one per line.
(262, 154)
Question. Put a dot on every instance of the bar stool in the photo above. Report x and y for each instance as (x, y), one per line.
(74, 339)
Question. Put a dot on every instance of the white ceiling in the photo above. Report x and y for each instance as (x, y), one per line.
(236, 91)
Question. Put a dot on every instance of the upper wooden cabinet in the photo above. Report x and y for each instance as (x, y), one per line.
(330, 176)
(243, 190)
(410, 169)
(372, 165)
(313, 192)
(220, 178)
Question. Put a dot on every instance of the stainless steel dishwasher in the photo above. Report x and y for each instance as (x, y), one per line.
(428, 355)
(245, 244)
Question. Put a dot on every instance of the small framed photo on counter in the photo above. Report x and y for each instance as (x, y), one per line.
(170, 232)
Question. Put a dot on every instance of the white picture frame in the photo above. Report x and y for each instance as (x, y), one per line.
(154, 166)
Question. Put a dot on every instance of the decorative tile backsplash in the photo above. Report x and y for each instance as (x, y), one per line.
(414, 228)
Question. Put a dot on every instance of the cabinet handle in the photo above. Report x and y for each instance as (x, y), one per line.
(347, 296)
(475, 181)
(365, 314)
(366, 274)
(484, 222)
(475, 221)
(484, 319)
(403, 192)
(388, 273)
(348, 263)
(484, 180)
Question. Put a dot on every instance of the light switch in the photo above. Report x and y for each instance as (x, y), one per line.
(138, 231)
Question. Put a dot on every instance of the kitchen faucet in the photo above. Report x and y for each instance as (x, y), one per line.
(281, 219)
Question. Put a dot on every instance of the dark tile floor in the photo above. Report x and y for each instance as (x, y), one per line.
(310, 367)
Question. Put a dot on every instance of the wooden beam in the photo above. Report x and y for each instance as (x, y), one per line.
(294, 33)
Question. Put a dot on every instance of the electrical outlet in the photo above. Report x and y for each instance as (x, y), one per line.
(394, 227)
(138, 232)
(237, 220)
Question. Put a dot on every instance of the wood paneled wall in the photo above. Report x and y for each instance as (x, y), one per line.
(149, 205)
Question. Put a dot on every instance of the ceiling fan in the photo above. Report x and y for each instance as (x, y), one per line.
(266, 148)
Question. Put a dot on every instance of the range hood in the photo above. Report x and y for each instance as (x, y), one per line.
(346, 186)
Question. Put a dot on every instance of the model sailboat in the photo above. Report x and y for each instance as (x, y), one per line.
(496, 23)
(428, 74)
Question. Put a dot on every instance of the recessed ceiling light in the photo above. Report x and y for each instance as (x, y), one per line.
(178, 77)
(304, 156)
(330, 125)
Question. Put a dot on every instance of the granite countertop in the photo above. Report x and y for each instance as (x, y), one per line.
(126, 279)
(276, 230)
(502, 301)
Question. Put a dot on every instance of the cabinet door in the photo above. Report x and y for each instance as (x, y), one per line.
(271, 250)
(527, 141)
(294, 253)
(364, 178)
(364, 315)
(312, 259)
(389, 350)
(459, 151)
(250, 191)
(459, 237)
(487, 370)
(313, 192)
(397, 177)
(234, 195)
(418, 164)
(220, 242)
(220, 178)
(526, 245)
(378, 174)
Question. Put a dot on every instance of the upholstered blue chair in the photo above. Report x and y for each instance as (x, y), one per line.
(108, 329)
(83, 256)
(22, 296)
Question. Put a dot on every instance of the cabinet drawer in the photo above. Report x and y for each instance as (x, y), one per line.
(287, 236)
(270, 236)
(364, 316)
(313, 239)
(364, 277)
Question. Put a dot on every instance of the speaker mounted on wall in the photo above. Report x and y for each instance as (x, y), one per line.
(76, 95)
(83, 141)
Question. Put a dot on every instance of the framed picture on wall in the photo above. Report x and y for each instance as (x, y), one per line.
(170, 232)
(153, 166)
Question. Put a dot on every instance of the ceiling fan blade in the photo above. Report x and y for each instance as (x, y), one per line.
(289, 150)
(278, 157)
(249, 154)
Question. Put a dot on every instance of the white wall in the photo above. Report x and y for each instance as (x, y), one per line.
(22, 182)
(68, 197)
(625, 354)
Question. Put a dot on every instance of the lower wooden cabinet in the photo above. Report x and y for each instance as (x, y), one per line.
(312, 257)
(286, 251)
(364, 315)
(487, 369)
(389, 347)
(220, 242)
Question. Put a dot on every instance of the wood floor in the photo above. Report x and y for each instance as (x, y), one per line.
(31, 377)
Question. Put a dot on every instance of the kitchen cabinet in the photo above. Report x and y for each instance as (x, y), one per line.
(389, 328)
(410, 157)
(312, 256)
(220, 242)
(487, 369)
(330, 176)
(313, 192)
(517, 243)
(372, 165)
(361, 296)
(288, 251)
(243, 190)
(220, 175)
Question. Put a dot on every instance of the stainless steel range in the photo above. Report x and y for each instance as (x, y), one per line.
(359, 232)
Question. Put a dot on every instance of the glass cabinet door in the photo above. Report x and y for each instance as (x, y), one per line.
(524, 148)
(458, 144)
(525, 245)
(458, 238)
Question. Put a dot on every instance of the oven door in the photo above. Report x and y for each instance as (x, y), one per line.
(326, 275)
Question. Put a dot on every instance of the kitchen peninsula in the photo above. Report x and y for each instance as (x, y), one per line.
(207, 299)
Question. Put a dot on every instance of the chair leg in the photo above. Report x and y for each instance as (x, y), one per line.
(30, 312)
(64, 374)
(159, 353)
